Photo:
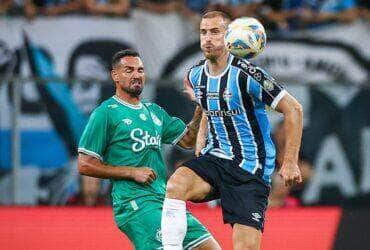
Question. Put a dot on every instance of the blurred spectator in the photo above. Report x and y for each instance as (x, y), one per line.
(296, 14)
(276, 15)
(159, 6)
(107, 7)
(33, 8)
(314, 12)
(280, 194)
(364, 9)
(5, 5)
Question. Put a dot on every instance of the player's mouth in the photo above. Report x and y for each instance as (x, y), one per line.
(136, 83)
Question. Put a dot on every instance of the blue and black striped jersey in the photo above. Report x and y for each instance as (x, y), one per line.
(234, 102)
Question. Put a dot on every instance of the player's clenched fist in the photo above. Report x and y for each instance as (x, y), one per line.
(143, 175)
(291, 174)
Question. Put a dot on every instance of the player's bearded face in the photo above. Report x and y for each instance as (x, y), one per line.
(131, 76)
(212, 32)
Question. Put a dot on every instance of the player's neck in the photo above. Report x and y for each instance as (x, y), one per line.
(128, 98)
(216, 67)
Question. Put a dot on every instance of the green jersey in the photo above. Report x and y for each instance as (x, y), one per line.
(122, 134)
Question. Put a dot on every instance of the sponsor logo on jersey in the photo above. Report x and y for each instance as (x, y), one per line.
(198, 92)
(156, 120)
(213, 95)
(143, 139)
(252, 70)
(222, 112)
(127, 121)
(143, 117)
(112, 106)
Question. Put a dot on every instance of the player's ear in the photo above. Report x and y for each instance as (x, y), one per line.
(114, 75)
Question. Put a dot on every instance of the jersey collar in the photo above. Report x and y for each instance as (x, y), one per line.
(133, 106)
(229, 60)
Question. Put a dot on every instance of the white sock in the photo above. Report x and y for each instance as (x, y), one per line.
(174, 224)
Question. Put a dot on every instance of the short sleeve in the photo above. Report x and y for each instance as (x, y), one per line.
(173, 128)
(94, 139)
(263, 87)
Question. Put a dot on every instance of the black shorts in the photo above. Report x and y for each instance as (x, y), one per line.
(243, 196)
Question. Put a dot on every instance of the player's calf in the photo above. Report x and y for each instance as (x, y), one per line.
(246, 237)
(183, 185)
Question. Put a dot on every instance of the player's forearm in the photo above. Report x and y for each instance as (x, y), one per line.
(189, 139)
(90, 166)
(293, 120)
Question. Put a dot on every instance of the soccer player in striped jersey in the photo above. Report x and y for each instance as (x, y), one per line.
(239, 157)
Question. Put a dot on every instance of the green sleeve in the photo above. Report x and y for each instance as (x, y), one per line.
(173, 128)
(94, 139)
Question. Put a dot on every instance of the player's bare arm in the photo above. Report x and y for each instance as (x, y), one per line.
(202, 135)
(91, 166)
(293, 119)
(189, 139)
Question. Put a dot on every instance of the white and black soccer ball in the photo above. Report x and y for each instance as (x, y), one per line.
(245, 37)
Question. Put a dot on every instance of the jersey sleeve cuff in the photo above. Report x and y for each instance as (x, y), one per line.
(277, 99)
(180, 136)
(91, 153)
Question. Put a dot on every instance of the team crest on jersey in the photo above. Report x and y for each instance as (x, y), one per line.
(227, 94)
(156, 120)
(268, 85)
(127, 121)
(143, 117)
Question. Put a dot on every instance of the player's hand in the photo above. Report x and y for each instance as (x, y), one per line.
(143, 175)
(290, 173)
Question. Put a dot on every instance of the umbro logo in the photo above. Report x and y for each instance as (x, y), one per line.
(127, 121)
(256, 217)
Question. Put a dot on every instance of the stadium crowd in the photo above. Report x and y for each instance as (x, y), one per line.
(275, 14)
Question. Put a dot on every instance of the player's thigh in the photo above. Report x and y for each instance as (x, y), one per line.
(145, 230)
(198, 237)
(185, 184)
(245, 203)
(246, 237)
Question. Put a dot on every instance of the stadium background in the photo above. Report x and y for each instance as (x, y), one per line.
(54, 71)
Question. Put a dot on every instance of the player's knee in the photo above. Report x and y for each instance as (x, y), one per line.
(176, 188)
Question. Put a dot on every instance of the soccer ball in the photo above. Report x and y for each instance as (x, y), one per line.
(245, 37)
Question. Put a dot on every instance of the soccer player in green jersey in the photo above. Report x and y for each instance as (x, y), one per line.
(123, 142)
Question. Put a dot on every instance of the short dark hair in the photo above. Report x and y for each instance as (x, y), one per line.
(216, 13)
(121, 54)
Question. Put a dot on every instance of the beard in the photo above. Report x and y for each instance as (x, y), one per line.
(133, 91)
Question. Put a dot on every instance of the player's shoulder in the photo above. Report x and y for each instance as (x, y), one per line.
(153, 106)
(249, 69)
(194, 72)
(155, 109)
(105, 107)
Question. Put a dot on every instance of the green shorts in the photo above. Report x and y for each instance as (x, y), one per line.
(145, 231)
